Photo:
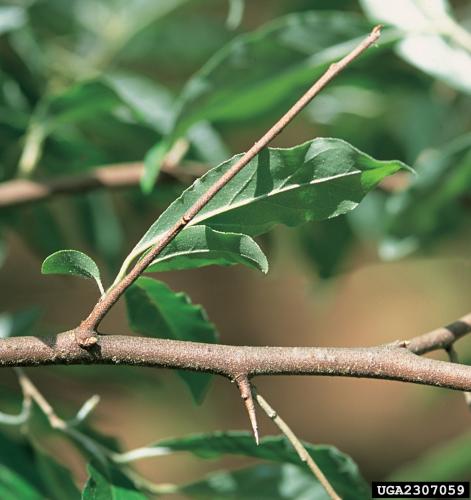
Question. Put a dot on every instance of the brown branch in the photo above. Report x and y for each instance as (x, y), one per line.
(441, 338)
(297, 445)
(19, 192)
(85, 334)
(382, 362)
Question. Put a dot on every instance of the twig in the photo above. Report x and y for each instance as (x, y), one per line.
(85, 334)
(441, 338)
(30, 391)
(297, 445)
(19, 192)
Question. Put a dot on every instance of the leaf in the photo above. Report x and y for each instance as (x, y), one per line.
(431, 206)
(58, 481)
(200, 246)
(339, 469)
(433, 41)
(447, 462)
(113, 486)
(259, 482)
(317, 180)
(13, 486)
(257, 71)
(72, 262)
(17, 471)
(155, 311)
(11, 18)
(326, 244)
(152, 103)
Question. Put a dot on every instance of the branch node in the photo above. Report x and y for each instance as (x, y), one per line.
(85, 337)
(245, 388)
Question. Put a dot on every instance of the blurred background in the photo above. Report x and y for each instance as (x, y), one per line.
(87, 83)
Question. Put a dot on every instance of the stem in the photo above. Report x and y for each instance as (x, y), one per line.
(382, 362)
(297, 445)
(85, 334)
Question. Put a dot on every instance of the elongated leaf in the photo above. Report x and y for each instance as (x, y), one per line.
(72, 262)
(317, 180)
(257, 71)
(431, 206)
(155, 311)
(200, 246)
(263, 482)
(113, 486)
(340, 469)
(433, 41)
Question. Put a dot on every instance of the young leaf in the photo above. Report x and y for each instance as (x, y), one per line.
(200, 246)
(72, 262)
(339, 469)
(155, 311)
(113, 485)
(317, 180)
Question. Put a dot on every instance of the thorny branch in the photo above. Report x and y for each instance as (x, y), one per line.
(86, 333)
(400, 361)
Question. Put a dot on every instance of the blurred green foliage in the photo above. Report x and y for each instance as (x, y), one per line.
(85, 83)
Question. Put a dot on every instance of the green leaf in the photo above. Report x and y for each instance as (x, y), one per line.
(72, 262)
(111, 486)
(11, 18)
(156, 311)
(339, 469)
(433, 41)
(326, 244)
(13, 486)
(152, 163)
(257, 71)
(317, 180)
(262, 482)
(17, 469)
(200, 246)
(447, 462)
(57, 480)
(151, 103)
(431, 206)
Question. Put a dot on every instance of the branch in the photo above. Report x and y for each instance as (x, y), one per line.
(86, 333)
(19, 192)
(382, 362)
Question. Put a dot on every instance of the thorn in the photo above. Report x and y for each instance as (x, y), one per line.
(245, 388)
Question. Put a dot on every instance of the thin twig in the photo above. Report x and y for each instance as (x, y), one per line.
(85, 334)
(297, 445)
(30, 391)
(19, 192)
